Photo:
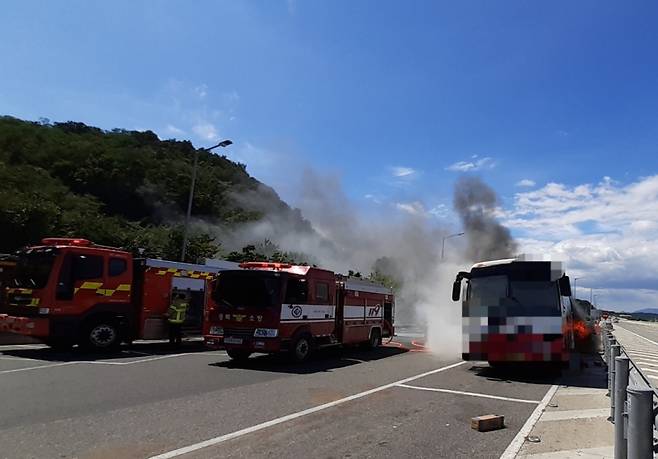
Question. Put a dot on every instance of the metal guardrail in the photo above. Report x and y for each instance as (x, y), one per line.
(633, 401)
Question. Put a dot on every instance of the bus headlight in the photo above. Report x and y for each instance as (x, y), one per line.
(44, 310)
(266, 333)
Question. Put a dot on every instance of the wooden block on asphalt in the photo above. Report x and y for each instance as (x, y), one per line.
(488, 422)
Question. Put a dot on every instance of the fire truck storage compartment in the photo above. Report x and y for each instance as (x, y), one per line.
(197, 292)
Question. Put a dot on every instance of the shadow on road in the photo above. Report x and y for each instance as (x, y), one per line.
(320, 361)
(80, 355)
(584, 370)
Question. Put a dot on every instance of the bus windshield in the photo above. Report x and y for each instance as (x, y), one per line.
(247, 289)
(539, 294)
(511, 298)
(487, 291)
(33, 268)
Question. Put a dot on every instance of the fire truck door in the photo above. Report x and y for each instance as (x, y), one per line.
(340, 313)
(196, 293)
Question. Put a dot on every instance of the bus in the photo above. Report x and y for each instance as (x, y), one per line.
(515, 310)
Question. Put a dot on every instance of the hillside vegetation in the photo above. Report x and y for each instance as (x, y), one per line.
(120, 188)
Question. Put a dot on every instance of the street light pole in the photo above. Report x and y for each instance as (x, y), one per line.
(443, 243)
(223, 144)
(575, 279)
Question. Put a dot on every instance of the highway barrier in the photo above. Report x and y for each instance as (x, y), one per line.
(633, 401)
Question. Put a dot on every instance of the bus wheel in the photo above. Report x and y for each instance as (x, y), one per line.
(301, 348)
(375, 338)
(102, 335)
(238, 355)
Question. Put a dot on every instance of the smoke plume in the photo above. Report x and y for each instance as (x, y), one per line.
(475, 203)
(406, 248)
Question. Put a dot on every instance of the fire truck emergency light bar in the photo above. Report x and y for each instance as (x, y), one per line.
(65, 241)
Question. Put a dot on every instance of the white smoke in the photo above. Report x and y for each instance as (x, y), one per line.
(339, 237)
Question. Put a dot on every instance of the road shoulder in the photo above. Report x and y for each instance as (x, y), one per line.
(574, 422)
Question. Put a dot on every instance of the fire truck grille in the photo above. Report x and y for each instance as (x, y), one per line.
(239, 332)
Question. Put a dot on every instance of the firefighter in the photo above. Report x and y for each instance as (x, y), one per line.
(176, 316)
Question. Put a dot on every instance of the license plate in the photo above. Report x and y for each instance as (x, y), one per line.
(232, 340)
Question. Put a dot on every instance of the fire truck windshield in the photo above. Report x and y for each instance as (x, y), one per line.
(33, 268)
(248, 289)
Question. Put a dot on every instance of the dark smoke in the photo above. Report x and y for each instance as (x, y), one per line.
(475, 203)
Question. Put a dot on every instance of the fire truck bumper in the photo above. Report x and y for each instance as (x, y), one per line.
(264, 345)
(37, 327)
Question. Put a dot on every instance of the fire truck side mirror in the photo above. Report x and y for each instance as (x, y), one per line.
(456, 289)
(565, 286)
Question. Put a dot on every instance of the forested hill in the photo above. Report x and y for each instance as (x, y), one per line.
(120, 188)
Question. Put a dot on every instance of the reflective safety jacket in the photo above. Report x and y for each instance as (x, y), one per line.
(177, 312)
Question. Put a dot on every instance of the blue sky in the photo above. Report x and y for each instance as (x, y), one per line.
(396, 98)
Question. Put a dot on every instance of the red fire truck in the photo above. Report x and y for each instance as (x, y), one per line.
(72, 291)
(272, 307)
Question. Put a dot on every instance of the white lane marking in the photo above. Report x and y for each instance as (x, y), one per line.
(2, 357)
(643, 354)
(84, 362)
(517, 442)
(640, 336)
(472, 394)
(641, 362)
(11, 347)
(16, 370)
(291, 416)
(651, 370)
(162, 357)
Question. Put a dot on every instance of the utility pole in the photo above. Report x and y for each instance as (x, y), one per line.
(223, 144)
(443, 243)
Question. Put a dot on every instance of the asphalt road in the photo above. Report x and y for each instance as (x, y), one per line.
(395, 401)
(648, 330)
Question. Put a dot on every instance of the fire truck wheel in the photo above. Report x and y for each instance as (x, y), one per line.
(375, 338)
(302, 348)
(238, 355)
(102, 335)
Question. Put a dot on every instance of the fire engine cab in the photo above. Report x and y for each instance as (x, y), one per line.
(70, 291)
(273, 307)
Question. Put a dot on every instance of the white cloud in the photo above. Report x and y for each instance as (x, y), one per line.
(205, 131)
(201, 91)
(170, 129)
(415, 208)
(608, 233)
(474, 164)
(440, 211)
(403, 172)
(527, 183)
(373, 198)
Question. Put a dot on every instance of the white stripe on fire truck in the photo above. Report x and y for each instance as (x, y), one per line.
(311, 311)
(359, 312)
(306, 321)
